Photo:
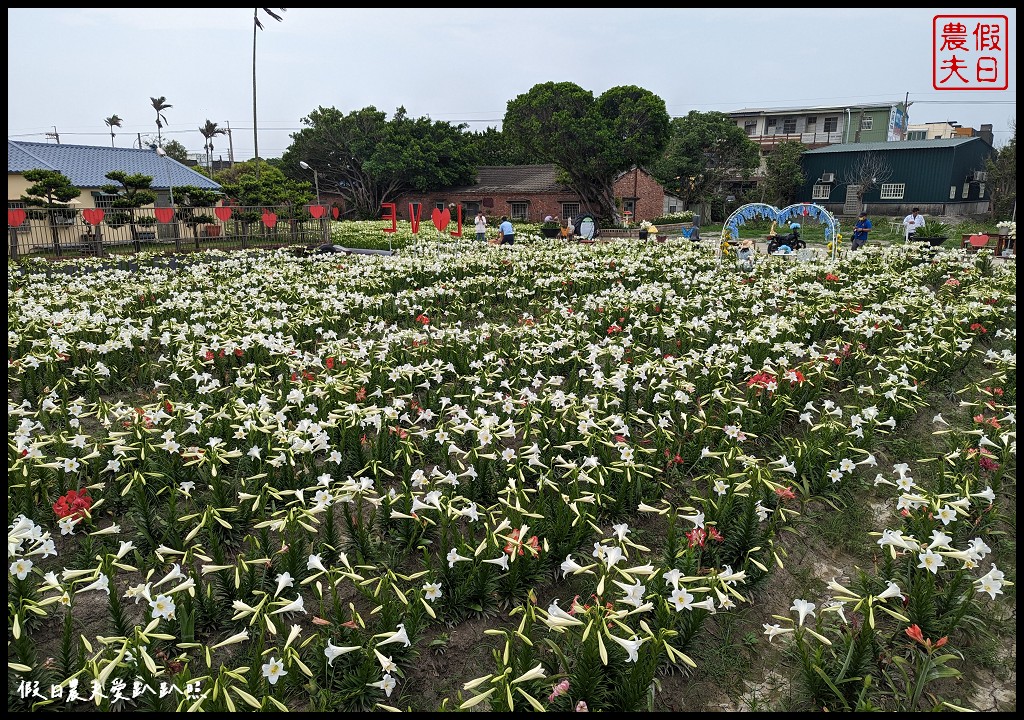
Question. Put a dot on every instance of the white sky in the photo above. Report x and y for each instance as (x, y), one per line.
(69, 68)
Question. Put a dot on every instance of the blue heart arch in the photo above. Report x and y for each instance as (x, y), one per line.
(751, 211)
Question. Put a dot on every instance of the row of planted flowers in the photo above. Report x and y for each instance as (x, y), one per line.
(267, 481)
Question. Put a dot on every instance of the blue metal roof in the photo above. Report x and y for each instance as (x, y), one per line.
(892, 145)
(86, 166)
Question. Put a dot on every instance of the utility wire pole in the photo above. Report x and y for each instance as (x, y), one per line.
(231, 146)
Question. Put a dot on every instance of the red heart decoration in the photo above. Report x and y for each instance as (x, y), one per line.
(224, 213)
(15, 218)
(269, 218)
(334, 212)
(93, 216)
(441, 218)
(164, 215)
(317, 211)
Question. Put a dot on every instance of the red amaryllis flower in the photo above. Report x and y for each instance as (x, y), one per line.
(761, 380)
(74, 504)
(978, 327)
(696, 537)
(915, 634)
(423, 319)
(785, 493)
(329, 363)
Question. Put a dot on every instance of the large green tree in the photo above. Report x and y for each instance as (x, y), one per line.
(591, 140)
(52, 190)
(133, 190)
(255, 185)
(783, 174)
(492, 147)
(370, 160)
(176, 151)
(705, 151)
(1002, 178)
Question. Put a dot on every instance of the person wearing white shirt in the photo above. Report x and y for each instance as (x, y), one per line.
(480, 225)
(912, 222)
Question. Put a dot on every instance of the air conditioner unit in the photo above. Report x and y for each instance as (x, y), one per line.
(979, 176)
(828, 177)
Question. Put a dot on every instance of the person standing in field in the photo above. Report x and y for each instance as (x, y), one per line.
(480, 225)
(860, 231)
(912, 222)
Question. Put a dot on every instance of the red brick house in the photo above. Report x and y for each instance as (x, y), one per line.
(530, 193)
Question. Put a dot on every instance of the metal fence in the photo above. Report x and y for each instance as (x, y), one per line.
(70, 232)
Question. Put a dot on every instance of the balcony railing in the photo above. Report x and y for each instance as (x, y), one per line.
(70, 232)
(807, 138)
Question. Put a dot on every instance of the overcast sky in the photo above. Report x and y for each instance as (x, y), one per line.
(69, 68)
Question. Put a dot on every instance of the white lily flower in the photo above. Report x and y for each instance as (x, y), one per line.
(803, 609)
(632, 646)
(399, 635)
(772, 630)
(536, 673)
(333, 651)
(296, 605)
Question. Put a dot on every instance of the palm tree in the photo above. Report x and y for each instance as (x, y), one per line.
(209, 131)
(160, 104)
(112, 122)
(257, 25)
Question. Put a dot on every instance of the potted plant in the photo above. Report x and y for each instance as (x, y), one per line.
(549, 228)
(934, 232)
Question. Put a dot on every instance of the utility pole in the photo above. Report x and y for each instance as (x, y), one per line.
(906, 113)
(54, 135)
(231, 146)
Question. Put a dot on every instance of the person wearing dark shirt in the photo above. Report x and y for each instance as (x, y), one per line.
(860, 231)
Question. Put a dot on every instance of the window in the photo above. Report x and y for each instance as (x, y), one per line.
(821, 192)
(832, 124)
(104, 201)
(519, 211)
(570, 210)
(812, 120)
(892, 191)
(789, 126)
(917, 135)
(629, 206)
(981, 191)
(952, 192)
(750, 127)
(770, 124)
(439, 205)
(865, 123)
(967, 189)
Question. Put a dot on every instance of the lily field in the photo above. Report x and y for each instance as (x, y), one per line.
(626, 476)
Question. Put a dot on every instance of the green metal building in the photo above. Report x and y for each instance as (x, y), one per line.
(941, 177)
